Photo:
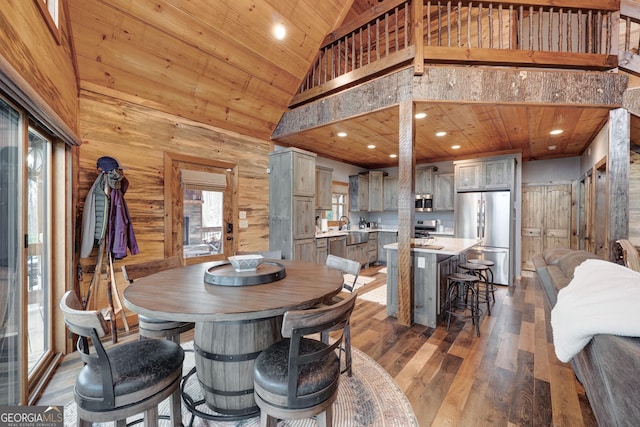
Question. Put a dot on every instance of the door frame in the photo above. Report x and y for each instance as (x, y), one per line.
(173, 206)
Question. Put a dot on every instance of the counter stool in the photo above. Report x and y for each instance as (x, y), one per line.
(459, 286)
(480, 270)
(490, 284)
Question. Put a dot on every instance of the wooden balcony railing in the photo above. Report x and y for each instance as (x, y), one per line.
(578, 34)
(629, 41)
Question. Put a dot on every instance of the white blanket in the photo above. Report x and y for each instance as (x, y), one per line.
(602, 298)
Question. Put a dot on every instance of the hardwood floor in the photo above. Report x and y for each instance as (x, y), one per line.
(509, 376)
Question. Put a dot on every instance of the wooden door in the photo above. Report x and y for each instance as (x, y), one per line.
(546, 220)
(532, 223)
(601, 207)
(557, 218)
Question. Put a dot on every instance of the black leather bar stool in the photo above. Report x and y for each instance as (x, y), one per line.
(479, 270)
(459, 286)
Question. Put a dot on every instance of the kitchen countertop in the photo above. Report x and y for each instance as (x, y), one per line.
(449, 245)
(333, 233)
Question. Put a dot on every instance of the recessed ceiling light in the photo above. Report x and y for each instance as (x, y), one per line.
(556, 132)
(420, 115)
(441, 133)
(279, 31)
(455, 147)
(342, 134)
(393, 156)
(371, 146)
(552, 147)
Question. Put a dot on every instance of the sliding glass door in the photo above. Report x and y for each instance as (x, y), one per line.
(38, 248)
(25, 254)
(11, 271)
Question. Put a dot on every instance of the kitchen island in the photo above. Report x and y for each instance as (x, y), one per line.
(432, 261)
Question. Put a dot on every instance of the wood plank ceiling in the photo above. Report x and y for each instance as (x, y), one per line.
(217, 62)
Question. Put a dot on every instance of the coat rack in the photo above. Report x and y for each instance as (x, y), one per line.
(110, 185)
(114, 302)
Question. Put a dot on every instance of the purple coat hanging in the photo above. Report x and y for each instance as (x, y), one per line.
(120, 229)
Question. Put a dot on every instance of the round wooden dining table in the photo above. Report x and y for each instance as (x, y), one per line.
(233, 324)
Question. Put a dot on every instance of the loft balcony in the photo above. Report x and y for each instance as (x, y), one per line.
(578, 35)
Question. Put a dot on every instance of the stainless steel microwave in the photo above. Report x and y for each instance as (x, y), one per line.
(424, 202)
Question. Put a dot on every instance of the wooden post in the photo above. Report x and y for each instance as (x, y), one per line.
(418, 37)
(618, 178)
(406, 210)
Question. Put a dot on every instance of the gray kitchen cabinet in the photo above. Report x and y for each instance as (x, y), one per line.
(443, 192)
(498, 174)
(366, 192)
(304, 225)
(324, 178)
(376, 183)
(359, 193)
(359, 253)
(322, 250)
(292, 203)
(390, 193)
(488, 174)
(385, 238)
(305, 250)
(372, 248)
(424, 180)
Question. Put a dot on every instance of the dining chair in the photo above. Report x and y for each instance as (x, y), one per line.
(124, 380)
(150, 327)
(346, 266)
(298, 376)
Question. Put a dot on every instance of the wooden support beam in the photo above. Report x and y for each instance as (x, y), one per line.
(618, 177)
(406, 212)
(458, 84)
(418, 36)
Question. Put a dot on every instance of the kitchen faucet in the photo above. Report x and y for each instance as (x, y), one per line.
(346, 225)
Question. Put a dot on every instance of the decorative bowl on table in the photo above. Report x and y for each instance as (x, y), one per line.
(245, 262)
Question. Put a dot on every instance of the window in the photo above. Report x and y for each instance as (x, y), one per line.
(339, 202)
(50, 12)
(203, 212)
(201, 191)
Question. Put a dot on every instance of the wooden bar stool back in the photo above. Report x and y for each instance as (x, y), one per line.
(125, 380)
(298, 377)
(346, 266)
(150, 327)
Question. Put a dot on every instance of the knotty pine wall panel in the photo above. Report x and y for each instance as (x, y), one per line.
(138, 136)
(28, 45)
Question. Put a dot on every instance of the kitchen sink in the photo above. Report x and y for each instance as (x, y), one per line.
(356, 237)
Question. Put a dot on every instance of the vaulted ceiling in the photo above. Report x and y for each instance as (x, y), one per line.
(218, 62)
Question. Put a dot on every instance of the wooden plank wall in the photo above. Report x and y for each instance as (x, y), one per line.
(138, 136)
(28, 45)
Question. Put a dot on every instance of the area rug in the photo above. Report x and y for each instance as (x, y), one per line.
(362, 280)
(369, 398)
(383, 270)
(377, 295)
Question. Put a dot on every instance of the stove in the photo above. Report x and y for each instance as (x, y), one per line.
(422, 228)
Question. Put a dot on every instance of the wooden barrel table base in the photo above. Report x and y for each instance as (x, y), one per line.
(194, 405)
(225, 352)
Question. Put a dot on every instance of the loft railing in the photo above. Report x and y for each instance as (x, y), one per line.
(579, 34)
(629, 46)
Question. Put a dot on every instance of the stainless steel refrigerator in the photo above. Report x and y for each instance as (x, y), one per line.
(487, 216)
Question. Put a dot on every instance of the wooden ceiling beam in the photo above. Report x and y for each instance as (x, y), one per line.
(459, 84)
